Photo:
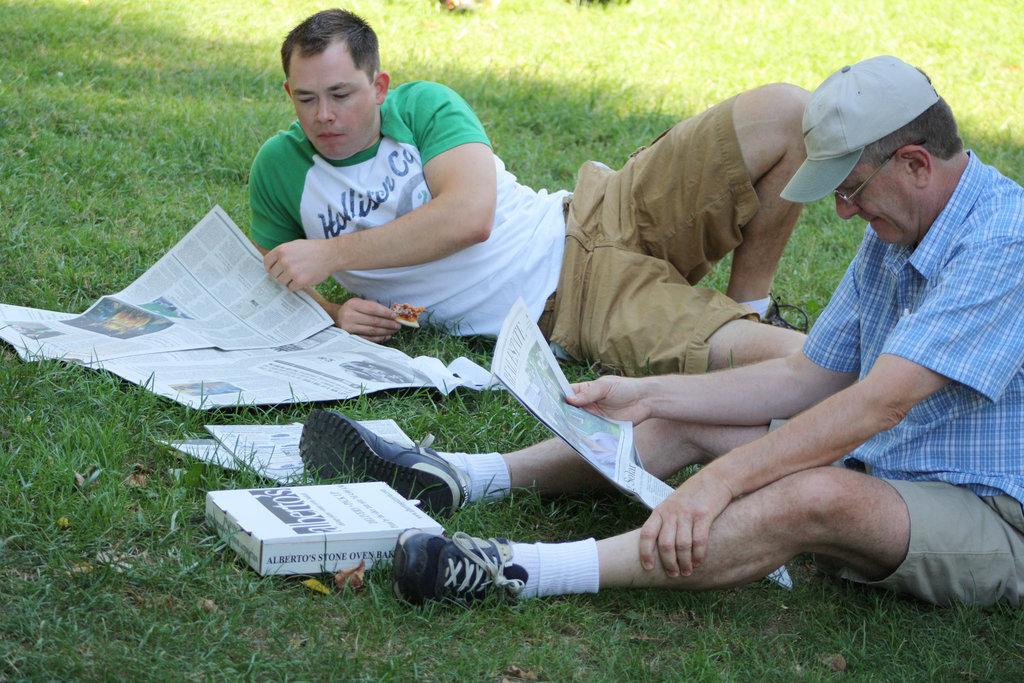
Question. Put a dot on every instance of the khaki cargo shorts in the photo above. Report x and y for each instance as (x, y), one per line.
(963, 548)
(639, 239)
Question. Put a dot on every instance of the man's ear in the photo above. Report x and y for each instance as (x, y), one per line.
(381, 82)
(919, 161)
(287, 88)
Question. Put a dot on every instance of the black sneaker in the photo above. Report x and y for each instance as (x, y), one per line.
(796, 317)
(333, 446)
(461, 568)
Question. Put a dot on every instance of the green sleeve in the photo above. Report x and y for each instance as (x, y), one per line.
(276, 182)
(432, 117)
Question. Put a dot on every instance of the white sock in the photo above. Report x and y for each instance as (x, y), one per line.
(488, 474)
(558, 568)
(761, 305)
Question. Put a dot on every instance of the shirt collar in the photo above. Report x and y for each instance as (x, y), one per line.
(929, 254)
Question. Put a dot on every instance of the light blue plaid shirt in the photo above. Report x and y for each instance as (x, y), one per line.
(954, 304)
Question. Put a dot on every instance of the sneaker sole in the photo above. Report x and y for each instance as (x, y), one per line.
(332, 448)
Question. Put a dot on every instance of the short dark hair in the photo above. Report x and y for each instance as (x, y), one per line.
(316, 33)
(936, 125)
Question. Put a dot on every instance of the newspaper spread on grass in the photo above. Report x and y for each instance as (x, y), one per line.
(271, 451)
(524, 363)
(209, 291)
(207, 327)
(330, 365)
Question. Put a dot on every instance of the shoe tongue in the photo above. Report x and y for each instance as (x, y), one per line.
(515, 571)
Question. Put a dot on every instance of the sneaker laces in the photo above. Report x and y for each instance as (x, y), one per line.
(478, 568)
(424, 443)
(774, 315)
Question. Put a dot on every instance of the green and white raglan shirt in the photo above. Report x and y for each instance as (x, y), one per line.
(296, 193)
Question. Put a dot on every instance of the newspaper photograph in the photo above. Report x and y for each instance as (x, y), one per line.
(209, 291)
(524, 363)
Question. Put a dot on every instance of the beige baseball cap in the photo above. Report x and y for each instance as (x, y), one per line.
(854, 107)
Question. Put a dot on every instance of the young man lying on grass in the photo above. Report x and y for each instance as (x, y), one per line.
(397, 194)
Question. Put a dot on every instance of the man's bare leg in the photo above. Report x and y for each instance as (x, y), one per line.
(743, 342)
(855, 518)
(769, 129)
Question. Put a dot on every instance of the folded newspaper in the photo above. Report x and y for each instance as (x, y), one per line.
(524, 363)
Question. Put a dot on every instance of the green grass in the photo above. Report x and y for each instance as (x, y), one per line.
(122, 122)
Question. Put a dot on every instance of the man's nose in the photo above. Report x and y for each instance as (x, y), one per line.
(324, 111)
(845, 209)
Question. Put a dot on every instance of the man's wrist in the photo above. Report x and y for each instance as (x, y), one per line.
(336, 254)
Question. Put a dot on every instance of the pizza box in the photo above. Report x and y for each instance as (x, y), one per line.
(314, 529)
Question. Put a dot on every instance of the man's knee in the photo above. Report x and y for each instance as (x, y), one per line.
(827, 497)
(769, 127)
(775, 102)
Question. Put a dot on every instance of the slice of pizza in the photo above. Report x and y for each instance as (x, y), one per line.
(408, 315)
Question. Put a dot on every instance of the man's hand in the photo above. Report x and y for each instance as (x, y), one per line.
(617, 398)
(300, 263)
(678, 529)
(367, 319)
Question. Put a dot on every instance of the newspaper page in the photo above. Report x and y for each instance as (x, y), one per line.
(271, 451)
(523, 362)
(209, 290)
(27, 329)
(330, 365)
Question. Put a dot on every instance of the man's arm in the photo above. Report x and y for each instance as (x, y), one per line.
(750, 395)
(677, 531)
(463, 187)
(362, 317)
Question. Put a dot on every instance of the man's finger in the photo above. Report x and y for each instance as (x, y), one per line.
(648, 541)
(699, 545)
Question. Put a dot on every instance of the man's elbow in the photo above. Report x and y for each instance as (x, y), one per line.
(477, 227)
(890, 413)
(481, 232)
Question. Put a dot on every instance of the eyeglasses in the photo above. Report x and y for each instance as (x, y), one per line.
(848, 198)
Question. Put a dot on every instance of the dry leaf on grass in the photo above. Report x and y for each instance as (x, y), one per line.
(351, 577)
(517, 673)
(82, 480)
(139, 476)
(138, 480)
(207, 605)
(835, 662)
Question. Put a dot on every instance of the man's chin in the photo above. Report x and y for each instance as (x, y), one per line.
(332, 152)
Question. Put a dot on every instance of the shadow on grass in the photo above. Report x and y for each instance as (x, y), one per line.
(122, 138)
